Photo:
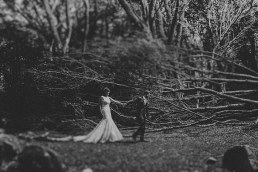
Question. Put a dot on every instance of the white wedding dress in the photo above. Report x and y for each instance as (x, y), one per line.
(106, 130)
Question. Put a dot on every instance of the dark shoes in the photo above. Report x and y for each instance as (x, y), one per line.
(142, 140)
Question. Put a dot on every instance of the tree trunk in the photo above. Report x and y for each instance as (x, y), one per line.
(69, 26)
(152, 20)
(173, 24)
(251, 58)
(180, 27)
(51, 20)
(136, 19)
(161, 29)
(87, 24)
(168, 11)
(93, 22)
(128, 9)
(145, 11)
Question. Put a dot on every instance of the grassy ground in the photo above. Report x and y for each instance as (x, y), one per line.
(181, 150)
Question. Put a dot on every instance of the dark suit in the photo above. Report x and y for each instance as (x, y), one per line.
(142, 112)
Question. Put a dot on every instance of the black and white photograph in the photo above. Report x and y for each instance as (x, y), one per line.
(128, 85)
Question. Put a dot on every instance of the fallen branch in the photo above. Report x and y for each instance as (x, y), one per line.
(181, 126)
(241, 92)
(212, 57)
(191, 90)
(184, 109)
(205, 90)
(119, 114)
(163, 123)
(217, 108)
(226, 96)
(232, 112)
(218, 72)
(211, 80)
(76, 120)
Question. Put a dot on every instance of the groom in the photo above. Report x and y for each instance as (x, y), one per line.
(142, 112)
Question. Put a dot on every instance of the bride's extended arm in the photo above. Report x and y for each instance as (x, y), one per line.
(116, 101)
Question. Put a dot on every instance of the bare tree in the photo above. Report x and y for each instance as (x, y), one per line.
(173, 24)
(62, 45)
(87, 24)
(157, 19)
(52, 22)
(160, 23)
(141, 21)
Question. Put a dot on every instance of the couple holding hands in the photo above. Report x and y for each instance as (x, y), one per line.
(106, 130)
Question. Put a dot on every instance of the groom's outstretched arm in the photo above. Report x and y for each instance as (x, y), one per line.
(130, 102)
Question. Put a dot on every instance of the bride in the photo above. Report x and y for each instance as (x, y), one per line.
(106, 130)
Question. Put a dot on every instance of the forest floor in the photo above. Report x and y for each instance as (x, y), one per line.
(180, 150)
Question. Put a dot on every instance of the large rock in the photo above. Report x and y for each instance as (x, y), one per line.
(39, 159)
(9, 147)
(236, 159)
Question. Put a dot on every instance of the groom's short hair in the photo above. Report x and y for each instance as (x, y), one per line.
(146, 92)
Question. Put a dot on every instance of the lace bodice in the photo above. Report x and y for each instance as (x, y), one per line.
(105, 101)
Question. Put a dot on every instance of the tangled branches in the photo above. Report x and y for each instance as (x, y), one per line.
(202, 89)
(64, 74)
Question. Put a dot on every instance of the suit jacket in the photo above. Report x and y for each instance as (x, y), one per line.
(142, 111)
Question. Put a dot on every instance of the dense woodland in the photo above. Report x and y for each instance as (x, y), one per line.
(198, 58)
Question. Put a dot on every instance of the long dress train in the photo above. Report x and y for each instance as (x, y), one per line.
(106, 130)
